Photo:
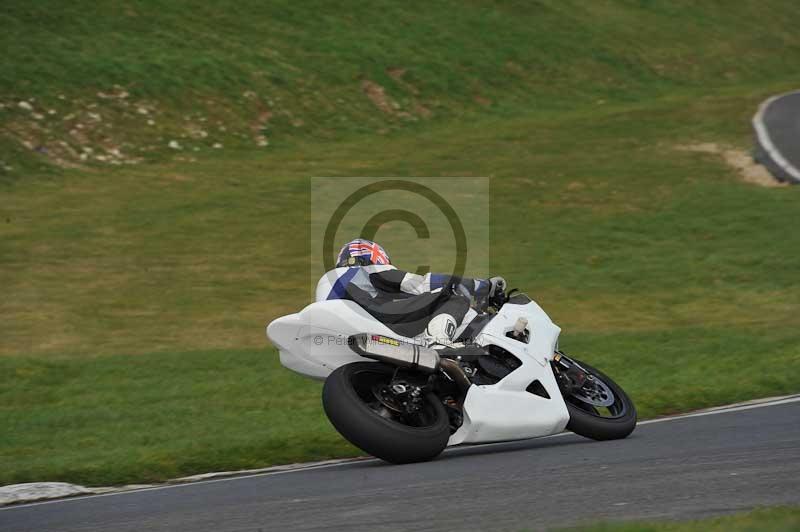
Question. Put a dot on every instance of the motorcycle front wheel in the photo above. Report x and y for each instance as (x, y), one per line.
(356, 406)
(598, 407)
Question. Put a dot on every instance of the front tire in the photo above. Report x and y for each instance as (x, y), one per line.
(347, 400)
(589, 421)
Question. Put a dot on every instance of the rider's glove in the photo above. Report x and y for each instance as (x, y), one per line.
(497, 285)
(490, 293)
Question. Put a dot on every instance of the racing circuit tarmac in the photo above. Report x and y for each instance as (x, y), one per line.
(777, 126)
(682, 468)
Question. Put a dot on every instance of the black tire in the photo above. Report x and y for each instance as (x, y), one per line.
(383, 438)
(595, 427)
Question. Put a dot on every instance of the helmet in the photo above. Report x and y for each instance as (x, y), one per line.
(361, 252)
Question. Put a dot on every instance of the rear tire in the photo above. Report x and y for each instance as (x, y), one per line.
(361, 425)
(592, 426)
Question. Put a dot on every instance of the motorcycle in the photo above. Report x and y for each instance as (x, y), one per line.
(400, 400)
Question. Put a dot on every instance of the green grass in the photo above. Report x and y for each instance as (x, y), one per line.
(289, 71)
(134, 299)
(124, 419)
(761, 520)
(150, 417)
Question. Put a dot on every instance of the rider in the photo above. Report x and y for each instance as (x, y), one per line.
(363, 268)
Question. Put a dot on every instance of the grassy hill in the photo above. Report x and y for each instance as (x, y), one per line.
(125, 80)
(136, 285)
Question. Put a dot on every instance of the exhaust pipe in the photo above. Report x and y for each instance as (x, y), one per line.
(403, 354)
(454, 371)
(395, 352)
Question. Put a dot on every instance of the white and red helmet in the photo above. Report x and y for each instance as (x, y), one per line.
(362, 252)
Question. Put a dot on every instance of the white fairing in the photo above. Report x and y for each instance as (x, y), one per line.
(505, 410)
(313, 342)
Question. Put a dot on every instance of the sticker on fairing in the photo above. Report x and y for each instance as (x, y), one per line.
(384, 340)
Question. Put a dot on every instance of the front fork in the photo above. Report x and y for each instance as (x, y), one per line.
(570, 375)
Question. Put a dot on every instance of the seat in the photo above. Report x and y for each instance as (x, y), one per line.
(405, 314)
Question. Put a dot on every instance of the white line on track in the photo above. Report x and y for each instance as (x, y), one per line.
(766, 141)
(738, 407)
(724, 409)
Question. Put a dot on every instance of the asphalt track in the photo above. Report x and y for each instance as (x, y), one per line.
(777, 126)
(683, 468)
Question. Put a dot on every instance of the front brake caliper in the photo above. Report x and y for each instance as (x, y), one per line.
(570, 376)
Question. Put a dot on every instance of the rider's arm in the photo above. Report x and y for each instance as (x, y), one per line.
(411, 283)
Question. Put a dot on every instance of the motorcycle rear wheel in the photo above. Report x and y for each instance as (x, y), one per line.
(357, 414)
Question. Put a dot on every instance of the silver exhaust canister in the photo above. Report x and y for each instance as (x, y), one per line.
(395, 352)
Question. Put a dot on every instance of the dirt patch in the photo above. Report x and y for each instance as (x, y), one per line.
(397, 75)
(414, 109)
(377, 95)
(421, 110)
(749, 170)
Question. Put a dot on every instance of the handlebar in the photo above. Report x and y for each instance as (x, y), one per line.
(496, 301)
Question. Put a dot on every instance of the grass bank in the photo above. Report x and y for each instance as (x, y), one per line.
(92, 85)
(135, 351)
(764, 519)
(124, 419)
(134, 297)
